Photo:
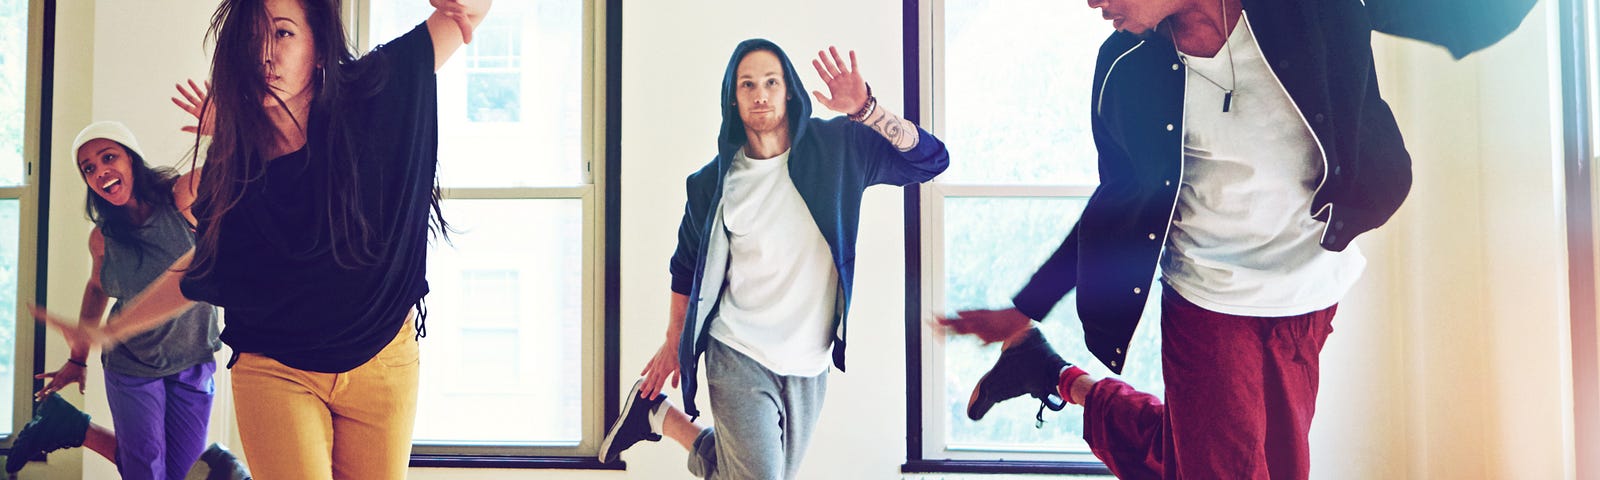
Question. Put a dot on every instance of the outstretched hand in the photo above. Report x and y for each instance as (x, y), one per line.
(847, 91)
(76, 333)
(988, 325)
(194, 102)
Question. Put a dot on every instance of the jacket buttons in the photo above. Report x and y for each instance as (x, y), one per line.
(1169, 127)
(1338, 225)
(1169, 183)
(1113, 364)
(1152, 236)
(1174, 67)
(1136, 290)
(1319, 118)
(1119, 351)
(1336, 170)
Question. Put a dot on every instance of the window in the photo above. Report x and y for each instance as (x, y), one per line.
(1010, 94)
(513, 358)
(18, 131)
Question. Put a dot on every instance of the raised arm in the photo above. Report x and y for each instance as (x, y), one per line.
(849, 94)
(451, 25)
(194, 102)
(914, 156)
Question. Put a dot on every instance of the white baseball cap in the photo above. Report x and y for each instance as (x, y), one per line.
(110, 130)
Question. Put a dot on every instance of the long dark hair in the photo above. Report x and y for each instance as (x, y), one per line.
(243, 133)
(152, 187)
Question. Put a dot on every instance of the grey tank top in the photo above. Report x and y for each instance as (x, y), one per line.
(175, 346)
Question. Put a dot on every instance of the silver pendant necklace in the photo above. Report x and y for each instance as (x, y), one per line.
(1233, 78)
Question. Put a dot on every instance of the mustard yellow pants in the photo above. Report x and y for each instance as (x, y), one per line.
(300, 425)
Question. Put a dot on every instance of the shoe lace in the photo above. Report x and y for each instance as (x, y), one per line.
(1038, 418)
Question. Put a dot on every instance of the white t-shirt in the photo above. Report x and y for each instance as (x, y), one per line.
(1243, 241)
(779, 304)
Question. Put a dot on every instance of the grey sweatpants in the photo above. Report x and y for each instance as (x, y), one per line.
(762, 421)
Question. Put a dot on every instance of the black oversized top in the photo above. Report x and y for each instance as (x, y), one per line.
(275, 274)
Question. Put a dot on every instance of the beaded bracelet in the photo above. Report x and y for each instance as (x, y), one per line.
(866, 108)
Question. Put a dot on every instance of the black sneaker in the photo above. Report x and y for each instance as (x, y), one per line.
(633, 424)
(222, 464)
(56, 425)
(1030, 367)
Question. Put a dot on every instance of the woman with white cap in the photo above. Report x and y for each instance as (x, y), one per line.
(158, 383)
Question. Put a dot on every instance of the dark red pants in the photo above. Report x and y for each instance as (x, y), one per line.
(1240, 395)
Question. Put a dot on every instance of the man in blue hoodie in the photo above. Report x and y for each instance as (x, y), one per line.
(766, 253)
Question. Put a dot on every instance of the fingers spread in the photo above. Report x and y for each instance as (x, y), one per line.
(836, 60)
(833, 68)
(826, 78)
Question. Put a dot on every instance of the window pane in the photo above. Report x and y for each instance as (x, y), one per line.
(992, 248)
(10, 234)
(494, 96)
(510, 104)
(1017, 76)
(13, 89)
(502, 363)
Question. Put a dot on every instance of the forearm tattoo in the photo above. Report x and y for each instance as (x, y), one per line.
(900, 132)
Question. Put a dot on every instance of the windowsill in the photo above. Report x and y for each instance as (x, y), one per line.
(510, 461)
(1004, 466)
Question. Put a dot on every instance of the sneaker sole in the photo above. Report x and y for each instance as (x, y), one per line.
(622, 415)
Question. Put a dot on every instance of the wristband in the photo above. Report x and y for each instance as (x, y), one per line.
(866, 108)
(77, 362)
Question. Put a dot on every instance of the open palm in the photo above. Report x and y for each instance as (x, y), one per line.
(847, 92)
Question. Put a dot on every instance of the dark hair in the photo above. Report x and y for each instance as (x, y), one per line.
(243, 133)
(152, 187)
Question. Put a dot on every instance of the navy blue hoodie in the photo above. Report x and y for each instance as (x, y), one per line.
(831, 163)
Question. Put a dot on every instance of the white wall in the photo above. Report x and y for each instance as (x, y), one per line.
(1463, 369)
(1450, 359)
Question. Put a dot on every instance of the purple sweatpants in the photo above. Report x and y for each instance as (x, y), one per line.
(1240, 395)
(160, 422)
